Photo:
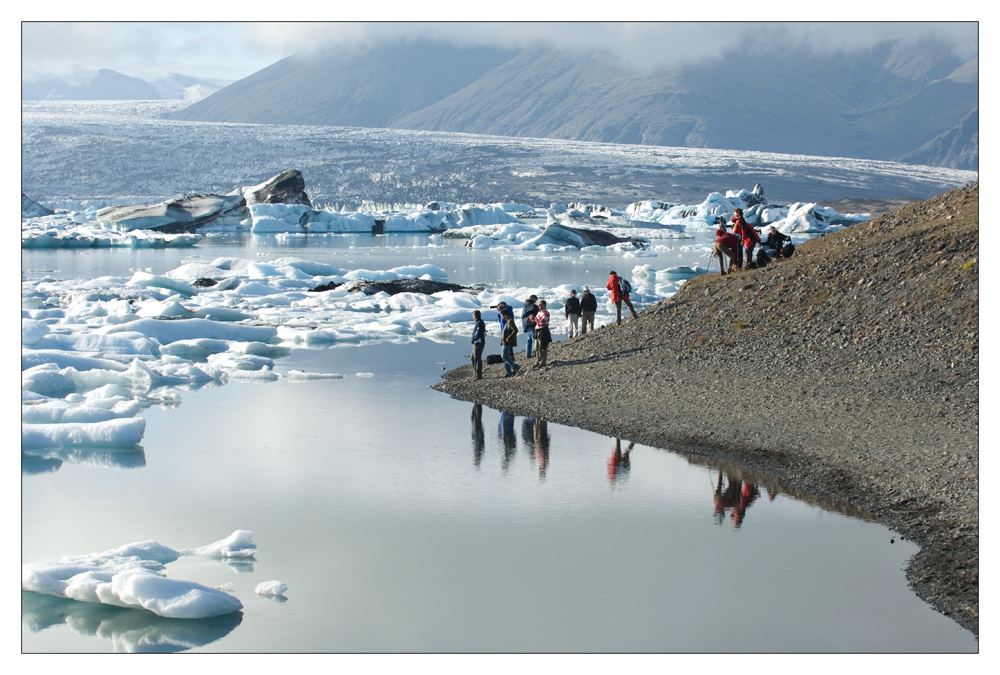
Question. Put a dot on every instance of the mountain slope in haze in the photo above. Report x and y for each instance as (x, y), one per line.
(106, 85)
(370, 88)
(880, 104)
(887, 102)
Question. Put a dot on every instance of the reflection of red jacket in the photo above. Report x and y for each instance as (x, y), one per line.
(616, 290)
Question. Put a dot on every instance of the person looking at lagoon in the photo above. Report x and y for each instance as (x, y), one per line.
(478, 343)
(508, 340)
(542, 334)
(528, 323)
(501, 308)
(573, 313)
(726, 244)
(618, 296)
(588, 307)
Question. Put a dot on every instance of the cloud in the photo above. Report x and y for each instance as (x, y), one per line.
(235, 50)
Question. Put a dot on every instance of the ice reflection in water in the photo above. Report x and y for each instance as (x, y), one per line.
(131, 631)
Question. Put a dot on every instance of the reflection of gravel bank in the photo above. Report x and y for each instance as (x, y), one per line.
(850, 371)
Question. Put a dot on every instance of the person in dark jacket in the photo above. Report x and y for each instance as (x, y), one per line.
(478, 343)
(775, 241)
(588, 307)
(528, 323)
(508, 340)
(573, 313)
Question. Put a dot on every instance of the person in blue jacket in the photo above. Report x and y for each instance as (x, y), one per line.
(478, 343)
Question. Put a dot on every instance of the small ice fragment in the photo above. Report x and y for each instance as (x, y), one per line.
(270, 588)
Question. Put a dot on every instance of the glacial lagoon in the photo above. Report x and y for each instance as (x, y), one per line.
(404, 521)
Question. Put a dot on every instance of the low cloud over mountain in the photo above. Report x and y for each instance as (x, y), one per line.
(903, 101)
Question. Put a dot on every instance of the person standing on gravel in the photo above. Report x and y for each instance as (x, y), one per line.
(528, 323)
(573, 313)
(748, 239)
(508, 340)
(542, 334)
(618, 296)
(588, 307)
(726, 244)
(478, 343)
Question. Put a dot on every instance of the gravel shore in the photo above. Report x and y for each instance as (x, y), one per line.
(849, 372)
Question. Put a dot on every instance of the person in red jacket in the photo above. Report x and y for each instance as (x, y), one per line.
(618, 298)
(748, 239)
(726, 244)
(543, 335)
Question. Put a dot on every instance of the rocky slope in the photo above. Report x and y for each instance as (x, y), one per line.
(849, 371)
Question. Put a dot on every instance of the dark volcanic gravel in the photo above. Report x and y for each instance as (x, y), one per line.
(849, 371)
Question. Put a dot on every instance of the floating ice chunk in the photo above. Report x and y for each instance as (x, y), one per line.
(157, 281)
(270, 588)
(239, 544)
(195, 271)
(169, 307)
(171, 597)
(166, 331)
(56, 411)
(65, 359)
(365, 374)
(109, 433)
(232, 361)
(32, 331)
(680, 272)
(198, 349)
(119, 340)
(300, 376)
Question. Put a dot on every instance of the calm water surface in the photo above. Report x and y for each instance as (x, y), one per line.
(404, 521)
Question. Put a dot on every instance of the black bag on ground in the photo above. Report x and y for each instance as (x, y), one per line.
(787, 250)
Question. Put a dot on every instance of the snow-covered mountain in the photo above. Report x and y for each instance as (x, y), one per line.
(897, 101)
(106, 85)
(109, 85)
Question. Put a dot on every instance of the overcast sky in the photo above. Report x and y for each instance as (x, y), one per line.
(231, 51)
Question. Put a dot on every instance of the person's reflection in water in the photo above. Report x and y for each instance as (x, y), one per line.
(541, 436)
(478, 435)
(737, 496)
(619, 464)
(528, 435)
(508, 437)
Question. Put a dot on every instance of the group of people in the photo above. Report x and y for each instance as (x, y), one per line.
(535, 320)
(738, 246)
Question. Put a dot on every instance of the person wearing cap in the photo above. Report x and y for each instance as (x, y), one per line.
(508, 340)
(528, 323)
(502, 310)
(478, 343)
(588, 308)
(573, 313)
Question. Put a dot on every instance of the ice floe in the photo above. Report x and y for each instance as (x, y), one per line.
(134, 576)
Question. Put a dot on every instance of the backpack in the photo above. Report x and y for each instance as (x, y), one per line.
(624, 285)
